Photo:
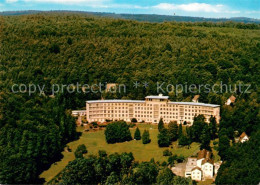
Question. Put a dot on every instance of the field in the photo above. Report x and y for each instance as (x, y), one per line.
(95, 141)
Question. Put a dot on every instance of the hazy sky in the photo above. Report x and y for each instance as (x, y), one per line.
(202, 8)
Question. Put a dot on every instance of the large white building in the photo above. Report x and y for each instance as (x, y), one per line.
(149, 110)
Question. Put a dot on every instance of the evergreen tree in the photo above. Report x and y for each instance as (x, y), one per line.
(146, 137)
(81, 149)
(165, 176)
(197, 127)
(160, 125)
(145, 173)
(173, 130)
(205, 138)
(213, 127)
(184, 140)
(224, 145)
(137, 134)
(163, 138)
(180, 130)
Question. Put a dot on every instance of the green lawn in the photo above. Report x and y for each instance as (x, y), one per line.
(96, 141)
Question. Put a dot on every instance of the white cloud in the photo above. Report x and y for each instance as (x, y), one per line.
(191, 7)
(11, 1)
(252, 12)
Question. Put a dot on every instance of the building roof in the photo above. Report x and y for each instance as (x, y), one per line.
(207, 161)
(242, 136)
(160, 96)
(232, 98)
(79, 111)
(196, 97)
(142, 101)
(116, 101)
(204, 154)
(196, 168)
(194, 104)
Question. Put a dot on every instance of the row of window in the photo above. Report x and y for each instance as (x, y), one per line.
(148, 105)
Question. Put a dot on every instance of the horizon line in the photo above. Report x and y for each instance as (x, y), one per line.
(64, 10)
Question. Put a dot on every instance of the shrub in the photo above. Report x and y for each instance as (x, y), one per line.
(81, 149)
(134, 120)
(94, 124)
(102, 153)
(180, 159)
(131, 125)
(69, 41)
(171, 160)
(117, 132)
(164, 163)
(55, 48)
(167, 152)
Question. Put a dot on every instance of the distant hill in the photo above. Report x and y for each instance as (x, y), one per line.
(144, 17)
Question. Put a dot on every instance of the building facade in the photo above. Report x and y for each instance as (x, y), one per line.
(196, 174)
(149, 110)
(202, 167)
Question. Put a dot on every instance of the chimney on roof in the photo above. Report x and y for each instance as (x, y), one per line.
(160, 94)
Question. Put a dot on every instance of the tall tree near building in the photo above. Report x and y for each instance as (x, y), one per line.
(212, 127)
(173, 130)
(180, 130)
(160, 125)
(224, 145)
(197, 127)
(146, 137)
(205, 138)
(163, 138)
(137, 134)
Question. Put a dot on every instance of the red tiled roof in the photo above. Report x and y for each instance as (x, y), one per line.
(196, 168)
(232, 98)
(204, 154)
(242, 135)
(207, 160)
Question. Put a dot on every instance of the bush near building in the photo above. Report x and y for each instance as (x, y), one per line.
(117, 132)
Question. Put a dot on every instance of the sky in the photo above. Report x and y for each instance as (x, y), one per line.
(200, 8)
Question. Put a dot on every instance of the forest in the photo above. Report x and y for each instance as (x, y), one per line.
(71, 48)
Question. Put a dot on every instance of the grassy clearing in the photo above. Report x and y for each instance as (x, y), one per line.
(95, 141)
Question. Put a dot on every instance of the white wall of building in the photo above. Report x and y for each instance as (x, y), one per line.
(150, 110)
(196, 175)
(208, 169)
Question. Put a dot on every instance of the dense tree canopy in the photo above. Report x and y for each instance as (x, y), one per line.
(48, 49)
(117, 132)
